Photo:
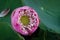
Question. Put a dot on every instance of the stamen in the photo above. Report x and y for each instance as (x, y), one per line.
(21, 24)
(25, 11)
(31, 24)
(28, 13)
(24, 30)
(21, 13)
(29, 28)
(24, 26)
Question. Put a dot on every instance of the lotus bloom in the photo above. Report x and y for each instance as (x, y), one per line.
(25, 20)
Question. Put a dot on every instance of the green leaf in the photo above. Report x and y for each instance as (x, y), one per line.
(12, 4)
(48, 11)
(6, 33)
(43, 27)
(43, 35)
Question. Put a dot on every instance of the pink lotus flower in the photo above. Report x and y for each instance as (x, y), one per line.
(25, 20)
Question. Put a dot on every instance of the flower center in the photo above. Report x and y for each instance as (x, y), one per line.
(25, 20)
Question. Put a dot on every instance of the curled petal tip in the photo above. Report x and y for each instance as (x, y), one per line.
(4, 12)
